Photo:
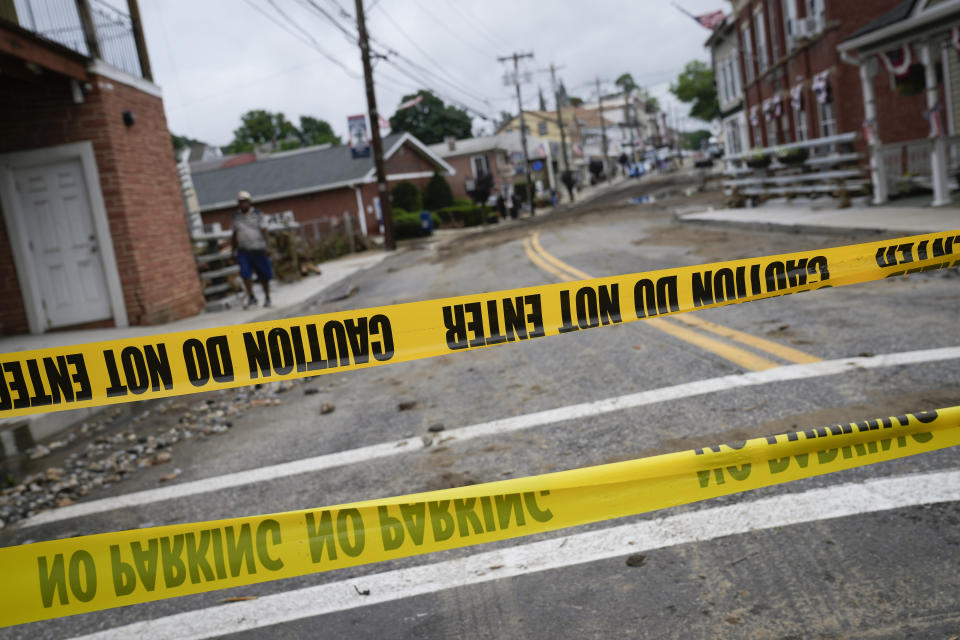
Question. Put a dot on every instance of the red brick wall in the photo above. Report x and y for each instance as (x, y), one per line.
(407, 160)
(138, 178)
(900, 117)
(464, 168)
(326, 206)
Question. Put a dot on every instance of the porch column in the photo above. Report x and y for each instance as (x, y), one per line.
(938, 157)
(877, 174)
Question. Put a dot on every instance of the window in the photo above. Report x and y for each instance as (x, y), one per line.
(774, 32)
(733, 138)
(772, 132)
(735, 74)
(800, 121)
(828, 121)
(789, 20)
(747, 52)
(785, 126)
(761, 39)
(542, 128)
(479, 164)
(730, 80)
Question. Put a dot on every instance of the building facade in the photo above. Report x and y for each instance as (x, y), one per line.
(795, 85)
(92, 223)
(723, 45)
(323, 186)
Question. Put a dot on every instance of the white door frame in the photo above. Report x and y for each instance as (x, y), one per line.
(19, 239)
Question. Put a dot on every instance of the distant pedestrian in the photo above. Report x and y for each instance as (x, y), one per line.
(501, 207)
(251, 243)
(568, 181)
(514, 205)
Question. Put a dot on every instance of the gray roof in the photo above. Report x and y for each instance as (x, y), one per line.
(298, 170)
(898, 13)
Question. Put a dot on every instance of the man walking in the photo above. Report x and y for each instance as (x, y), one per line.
(251, 243)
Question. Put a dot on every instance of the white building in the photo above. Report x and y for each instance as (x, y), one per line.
(726, 72)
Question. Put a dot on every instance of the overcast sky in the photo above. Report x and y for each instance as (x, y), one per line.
(216, 59)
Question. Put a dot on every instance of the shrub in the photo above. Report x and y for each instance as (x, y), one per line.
(462, 202)
(438, 194)
(520, 188)
(406, 196)
(405, 224)
(464, 215)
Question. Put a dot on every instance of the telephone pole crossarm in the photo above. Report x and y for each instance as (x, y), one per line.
(516, 57)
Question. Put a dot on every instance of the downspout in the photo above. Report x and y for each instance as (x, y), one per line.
(361, 214)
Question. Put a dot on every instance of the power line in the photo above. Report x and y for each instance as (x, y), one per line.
(481, 28)
(391, 50)
(420, 68)
(351, 36)
(310, 43)
(427, 86)
(446, 28)
(411, 40)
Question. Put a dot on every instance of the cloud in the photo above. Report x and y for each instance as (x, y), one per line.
(217, 59)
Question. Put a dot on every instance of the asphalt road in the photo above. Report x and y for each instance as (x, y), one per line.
(851, 568)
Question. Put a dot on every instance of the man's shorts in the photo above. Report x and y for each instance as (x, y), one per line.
(254, 261)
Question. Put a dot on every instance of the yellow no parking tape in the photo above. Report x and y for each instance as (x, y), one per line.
(63, 577)
(180, 363)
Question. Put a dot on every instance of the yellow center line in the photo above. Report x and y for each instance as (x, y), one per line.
(750, 361)
(777, 349)
(745, 359)
(536, 259)
(576, 273)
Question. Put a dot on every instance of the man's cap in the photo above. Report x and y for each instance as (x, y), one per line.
(244, 195)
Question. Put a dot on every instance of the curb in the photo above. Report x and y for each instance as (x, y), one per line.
(793, 228)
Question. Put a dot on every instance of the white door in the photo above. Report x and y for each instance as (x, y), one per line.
(63, 243)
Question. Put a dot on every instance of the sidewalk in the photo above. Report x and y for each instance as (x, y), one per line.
(823, 216)
(19, 434)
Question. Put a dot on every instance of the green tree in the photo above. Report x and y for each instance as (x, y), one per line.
(315, 131)
(438, 193)
(694, 139)
(695, 84)
(260, 127)
(431, 120)
(406, 196)
(650, 104)
(182, 142)
(626, 83)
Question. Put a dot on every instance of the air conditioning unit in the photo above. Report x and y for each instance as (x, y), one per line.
(807, 27)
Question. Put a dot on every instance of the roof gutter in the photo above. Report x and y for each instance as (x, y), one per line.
(902, 27)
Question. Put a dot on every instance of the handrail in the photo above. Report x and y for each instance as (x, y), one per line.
(803, 144)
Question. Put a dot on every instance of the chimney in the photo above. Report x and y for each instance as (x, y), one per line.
(451, 143)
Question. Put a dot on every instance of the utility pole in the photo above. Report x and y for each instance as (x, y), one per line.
(388, 241)
(563, 135)
(516, 57)
(629, 120)
(556, 97)
(603, 132)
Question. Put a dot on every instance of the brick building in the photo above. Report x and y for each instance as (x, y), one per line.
(473, 157)
(318, 184)
(913, 49)
(795, 85)
(800, 80)
(92, 231)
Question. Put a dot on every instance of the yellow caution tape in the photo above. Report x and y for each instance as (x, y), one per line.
(193, 361)
(64, 577)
